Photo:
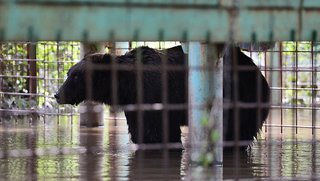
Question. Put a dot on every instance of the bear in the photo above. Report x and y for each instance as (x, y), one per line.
(73, 91)
(103, 81)
(243, 83)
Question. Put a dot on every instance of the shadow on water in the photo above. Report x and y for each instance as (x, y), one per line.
(61, 149)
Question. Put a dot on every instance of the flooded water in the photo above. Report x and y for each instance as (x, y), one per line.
(59, 149)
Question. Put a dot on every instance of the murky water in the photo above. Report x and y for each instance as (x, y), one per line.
(60, 149)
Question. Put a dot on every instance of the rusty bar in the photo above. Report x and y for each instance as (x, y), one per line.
(314, 112)
(32, 65)
(140, 93)
(1, 73)
(115, 48)
(281, 83)
(91, 113)
(313, 88)
(165, 102)
(296, 67)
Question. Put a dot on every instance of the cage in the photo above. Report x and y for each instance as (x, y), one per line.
(190, 97)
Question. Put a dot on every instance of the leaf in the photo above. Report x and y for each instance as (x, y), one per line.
(214, 136)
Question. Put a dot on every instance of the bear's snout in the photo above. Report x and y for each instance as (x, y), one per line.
(58, 98)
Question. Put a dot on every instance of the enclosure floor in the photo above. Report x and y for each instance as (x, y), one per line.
(58, 149)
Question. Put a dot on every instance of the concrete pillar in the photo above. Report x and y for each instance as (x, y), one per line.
(205, 90)
(91, 113)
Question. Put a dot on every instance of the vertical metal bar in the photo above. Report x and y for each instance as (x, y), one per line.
(5, 137)
(31, 56)
(296, 87)
(1, 80)
(294, 106)
(259, 88)
(273, 77)
(313, 119)
(164, 80)
(115, 48)
(58, 70)
(265, 65)
(281, 87)
(5, 149)
(91, 114)
(140, 92)
(120, 48)
(114, 100)
(31, 141)
(313, 91)
(114, 79)
(165, 102)
(45, 72)
(32, 70)
(236, 108)
(72, 58)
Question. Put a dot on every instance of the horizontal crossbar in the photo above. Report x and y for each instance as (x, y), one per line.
(126, 20)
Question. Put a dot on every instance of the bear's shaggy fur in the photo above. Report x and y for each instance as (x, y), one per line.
(248, 104)
(101, 85)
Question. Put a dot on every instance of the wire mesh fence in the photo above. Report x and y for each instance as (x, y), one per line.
(28, 83)
(31, 73)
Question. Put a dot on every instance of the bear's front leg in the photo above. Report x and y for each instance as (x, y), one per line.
(152, 127)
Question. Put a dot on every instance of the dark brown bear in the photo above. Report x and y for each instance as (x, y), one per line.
(73, 91)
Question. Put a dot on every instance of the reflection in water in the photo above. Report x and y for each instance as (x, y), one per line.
(63, 150)
(156, 165)
(91, 163)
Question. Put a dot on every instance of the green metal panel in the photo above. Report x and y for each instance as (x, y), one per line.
(278, 4)
(159, 19)
(270, 3)
(119, 2)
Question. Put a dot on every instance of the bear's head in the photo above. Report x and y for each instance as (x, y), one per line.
(89, 79)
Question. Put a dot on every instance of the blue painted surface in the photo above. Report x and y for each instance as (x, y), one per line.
(198, 94)
(205, 89)
(199, 89)
(194, 20)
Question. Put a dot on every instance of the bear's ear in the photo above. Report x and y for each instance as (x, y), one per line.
(98, 58)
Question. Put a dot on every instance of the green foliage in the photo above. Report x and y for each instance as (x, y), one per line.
(206, 159)
(214, 136)
(205, 121)
(297, 56)
(16, 69)
(53, 61)
(207, 153)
